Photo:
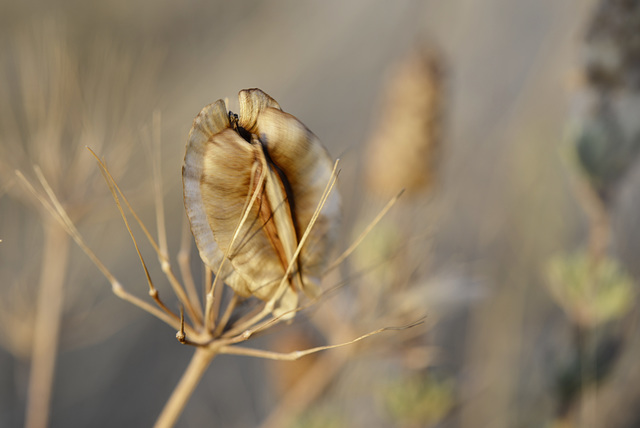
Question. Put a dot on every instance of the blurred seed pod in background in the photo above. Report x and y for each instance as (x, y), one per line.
(402, 152)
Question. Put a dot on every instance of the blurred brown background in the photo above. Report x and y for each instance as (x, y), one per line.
(503, 199)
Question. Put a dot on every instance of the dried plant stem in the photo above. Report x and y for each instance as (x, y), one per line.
(200, 361)
(585, 339)
(599, 223)
(364, 233)
(291, 356)
(118, 194)
(184, 256)
(599, 240)
(308, 388)
(57, 211)
(319, 376)
(47, 325)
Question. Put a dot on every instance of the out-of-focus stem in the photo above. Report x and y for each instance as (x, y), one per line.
(308, 388)
(47, 324)
(599, 224)
(188, 383)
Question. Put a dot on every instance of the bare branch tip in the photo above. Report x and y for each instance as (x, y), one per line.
(116, 287)
(180, 335)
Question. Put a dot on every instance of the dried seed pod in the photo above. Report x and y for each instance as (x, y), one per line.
(404, 146)
(266, 154)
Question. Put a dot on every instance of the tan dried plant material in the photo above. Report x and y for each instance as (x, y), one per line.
(252, 183)
(260, 202)
(403, 150)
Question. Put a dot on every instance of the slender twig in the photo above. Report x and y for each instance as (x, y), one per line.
(216, 293)
(290, 356)
(307, 388)
(175, 284)
(364, 233)
(47, 325)
(226, 315)
(58, 212)
(184, 259)
(153, 292)
(172, 410)
(119, 291)
(157, 181)
(193, 307)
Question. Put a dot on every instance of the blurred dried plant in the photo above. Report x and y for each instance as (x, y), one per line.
(58, 98)
(402, 155)
(591, 295)
(593, 289)
(606, 133)
(418, 401)
(405, 143)
(256, 187)
(270, 154)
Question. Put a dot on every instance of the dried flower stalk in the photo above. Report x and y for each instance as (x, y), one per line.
(281, 200)
(405, 143)
(53, 105)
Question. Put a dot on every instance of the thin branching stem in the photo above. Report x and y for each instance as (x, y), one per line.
(226, 315)
(59, 214)
(158, 188)
(200, 361)
(193, 307)
(54, 207)
(175, 284)
(290, 356)
(364, 233)
(249, 315)
(153, 292)
(47, 325)
(184, 259)
(119, 291)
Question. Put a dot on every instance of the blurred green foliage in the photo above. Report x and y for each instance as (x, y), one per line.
(419, 400)
(591, 293)
(603, 152)
(322, 416)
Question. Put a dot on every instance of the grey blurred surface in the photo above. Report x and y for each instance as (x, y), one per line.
(505, 199)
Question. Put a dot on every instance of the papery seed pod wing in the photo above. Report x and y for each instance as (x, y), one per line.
(252, 103)
(273, 159)
(307, 166)
(219, 176)
(211, 120)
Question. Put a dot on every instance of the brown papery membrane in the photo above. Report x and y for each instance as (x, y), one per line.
(250, 193)
(307, 165)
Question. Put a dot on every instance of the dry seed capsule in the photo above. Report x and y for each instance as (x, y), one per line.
(268, 155)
